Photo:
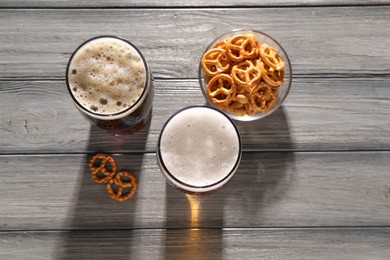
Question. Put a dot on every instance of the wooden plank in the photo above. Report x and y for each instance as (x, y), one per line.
(319, 114)
(177, 3)
(343, 243)
(52, 192)
(173, 40)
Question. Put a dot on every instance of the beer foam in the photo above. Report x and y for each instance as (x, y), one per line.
(107, 75)
(199, 146)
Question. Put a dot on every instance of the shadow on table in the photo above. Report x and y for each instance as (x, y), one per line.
(93, 208)
(194, 224)
(269, 170)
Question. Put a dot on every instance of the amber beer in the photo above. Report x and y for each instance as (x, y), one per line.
(199, 149)
(111, 84)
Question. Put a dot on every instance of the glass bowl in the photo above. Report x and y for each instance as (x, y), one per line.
(280, 93)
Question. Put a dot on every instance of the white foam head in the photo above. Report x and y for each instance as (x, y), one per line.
(107, 75)
(199, 146)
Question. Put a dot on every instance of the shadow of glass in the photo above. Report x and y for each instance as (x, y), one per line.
(195, 224)
(95, 219)
(271, 133)
(267, 168)
(101, 140)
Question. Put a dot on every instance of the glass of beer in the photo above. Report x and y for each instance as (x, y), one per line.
(111, 84)
(199, 149)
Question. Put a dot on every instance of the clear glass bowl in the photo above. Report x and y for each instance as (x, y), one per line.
(283, 89)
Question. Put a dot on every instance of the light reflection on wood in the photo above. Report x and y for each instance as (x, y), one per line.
(194, 205)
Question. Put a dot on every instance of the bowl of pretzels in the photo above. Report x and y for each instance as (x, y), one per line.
(246, 74)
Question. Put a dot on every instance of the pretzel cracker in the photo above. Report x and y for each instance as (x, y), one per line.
(242, 75)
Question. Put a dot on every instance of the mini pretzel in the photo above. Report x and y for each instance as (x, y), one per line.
(271, 57)
(262, 98)
(120, 184)
(239, 105)
(246, 74)
(221, 44)
(242, 47)
(272, 77)
(215, 61)
(221, 89)
(238, 111)
(102, 160)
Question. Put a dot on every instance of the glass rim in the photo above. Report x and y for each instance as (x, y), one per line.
(193, 188)
(255, 116)
(125, 111)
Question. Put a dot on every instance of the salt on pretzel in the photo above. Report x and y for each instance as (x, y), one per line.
(215, 61)
(121, 189)
(104, 164)
(271, 57)
(221, 89)
(246, 74)
(242, 47)
(262, 98)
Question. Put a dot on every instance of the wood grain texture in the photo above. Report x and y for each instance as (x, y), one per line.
(346, 243)
(173, 40)
(177, 3)
(46, 192)
(319, 114)
(314, 180)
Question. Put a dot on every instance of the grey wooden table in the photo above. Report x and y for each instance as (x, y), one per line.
(314, 182)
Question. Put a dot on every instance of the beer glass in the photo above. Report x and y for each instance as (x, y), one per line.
(111, 84)
(199, 149)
